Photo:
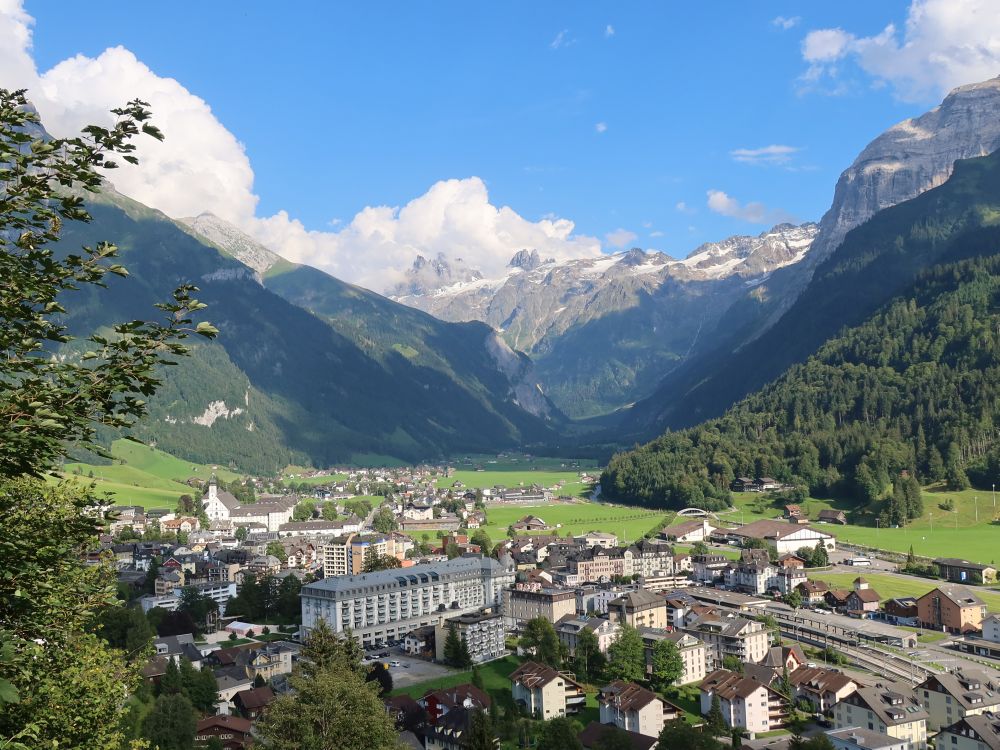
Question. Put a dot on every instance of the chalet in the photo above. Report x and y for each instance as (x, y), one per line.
(545, 693)
(530, 523)
(823, 688)
(901, 610)
(832, 516)
(251, 703)
(863, 598)
(962, 571)
(232, 731)
(795, 514)
(635, 709)
(746, 702)
(437, 703)
(743, 484)
(836, 598)
(791, 561)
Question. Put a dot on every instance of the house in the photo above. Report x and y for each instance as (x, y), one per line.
(639, 609)
(901, 611)
(421, 642)
(232, 731)
(452, 731)
(791, 561)
(689, 531)
(795, 514)
(828, 515)
(530, 523)
(780, 658)
(746, 702)
(886, 707)
(251, 703)
(747, 640)
(823, 688)
(693, 653)
(991, 628)
(708, 568)
(569, 627)
(743, 484)
(523, 604)
(594, 736)
(951, 608)
(483, 633)
(596, 539)
(634, 709)
(863, 598)
(975, 732)
(545, 693)
(837, 598)
(962, 571)
(784, 535)
(438, 703)
(952, 696)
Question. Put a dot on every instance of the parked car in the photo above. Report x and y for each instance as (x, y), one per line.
(394, 664)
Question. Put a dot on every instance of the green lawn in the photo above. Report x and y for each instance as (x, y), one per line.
(297, 478)
(576, 518)
(521, 462)
(521, 478)
(890, 586)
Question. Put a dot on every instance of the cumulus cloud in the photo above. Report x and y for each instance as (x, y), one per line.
(601, 127)
(683, 207)
(942, 44)
(609, 30)
(620, 238)
(201, 166)
(753, 212)
(784, 23)
(767, 155)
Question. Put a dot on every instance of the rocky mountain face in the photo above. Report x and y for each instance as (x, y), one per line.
(231, 241)
(903, 163)
(603, 331)
(427, 275)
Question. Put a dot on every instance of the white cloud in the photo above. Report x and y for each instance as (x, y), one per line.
(942, 44)
(767, 155)
(684, 208)
(784, 23)
(601, 127)
(753, 212)
(609, 31)
(562, 39)
(201, 166)
(620, 238)
(657, 233)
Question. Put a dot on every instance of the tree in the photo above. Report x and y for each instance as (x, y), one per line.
(627, 656)
(588, 661)
(482, 733)
(456, 651)
(277, 549)
(679, 734)
(477, 678)
(668, 666)
(384, 521)
(171, 724)
(304, 511)
(126, 628)
(732, 663)
(481, 539)
(793, 599)
(197, 606)
(559, 734)
(373, 561)
(541, 639)
(379, 674)
(699, 548)
(242, 532)
(715, 722)
(820, 557)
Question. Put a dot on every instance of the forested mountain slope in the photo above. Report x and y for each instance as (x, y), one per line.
(914, 388)
(282, 384)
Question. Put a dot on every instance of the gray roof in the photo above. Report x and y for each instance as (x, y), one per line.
(865, 739)
(399, 577)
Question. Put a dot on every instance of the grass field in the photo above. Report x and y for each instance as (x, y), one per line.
(141, 475)
(572, 486)
(312, 481)
(495, 679)
(890, 586)
(578, 518)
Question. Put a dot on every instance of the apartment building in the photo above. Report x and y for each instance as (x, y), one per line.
(746, 702)
(633, 708)
(569, 627)
(747, 640)
(220, 593)
(952, 696)
(977, 732)
(693, 653)
(652, 557)
(345, 555)
(521, 604)
(639, 609)
(823, 688)
(885, 707)
(545, 693)
(388, 604)
(600, 563)
(483, 633)
(952, 608)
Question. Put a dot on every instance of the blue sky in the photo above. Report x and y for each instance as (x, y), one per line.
(609, 115)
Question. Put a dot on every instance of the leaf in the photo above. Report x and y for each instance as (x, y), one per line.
(8, 693)
(207, 330)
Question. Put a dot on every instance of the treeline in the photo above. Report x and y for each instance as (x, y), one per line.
(912, 394)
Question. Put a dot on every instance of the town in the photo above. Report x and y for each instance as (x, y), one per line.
(740, 631)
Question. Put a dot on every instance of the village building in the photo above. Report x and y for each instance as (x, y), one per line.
(635, 709)
(952, 608)
(544, 693)
(962, 571)
(483, 633)
(885, 707)
(746, 702)
(639, 609)
(952, 696)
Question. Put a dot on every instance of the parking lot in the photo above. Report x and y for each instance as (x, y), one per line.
(410, 671)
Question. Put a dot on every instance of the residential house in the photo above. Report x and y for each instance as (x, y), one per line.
(952, 696)
(483, 633)
(962, 571)
(545, 693)
(530, 523)
(747, 640)
(795, 514)
(975, 732)
(438, 703)
(780, 658)
(813, 592)
(596, 539)
(901, 611)
(569, 627)
(592, 598)
(746, 702)
(709, 568)
(451, 732)
(823, 688)
(693, 653)
(863, 598)
(639, 609)
(600, 563)
(952, 608)
(232, 731)
(634, 709)
(421, 642)
(828, 515)
(523, 604)
(251, 703)
(886, 707)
